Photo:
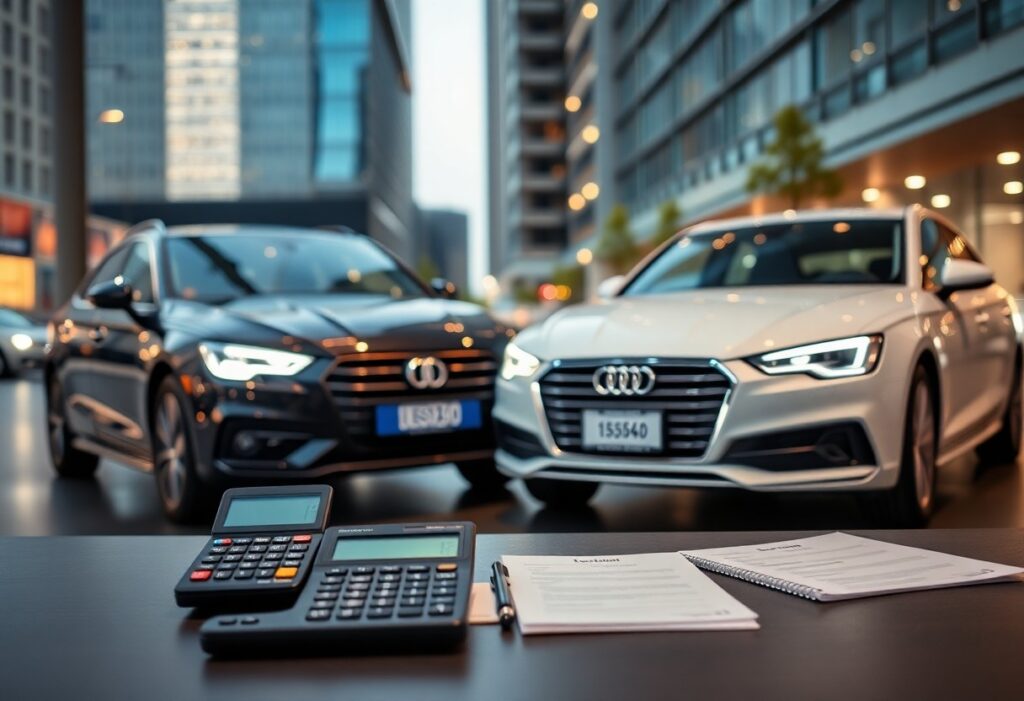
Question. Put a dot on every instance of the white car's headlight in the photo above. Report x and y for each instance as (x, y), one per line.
(841, 358)
(21, 341)
(242, 363)
(518, 363)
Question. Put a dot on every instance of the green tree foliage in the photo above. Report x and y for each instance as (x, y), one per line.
(427, 269)
(669, 216)
(792, 164)
(617, 246)
(571, 275)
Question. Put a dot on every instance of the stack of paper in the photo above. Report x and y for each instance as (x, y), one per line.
(608, 593)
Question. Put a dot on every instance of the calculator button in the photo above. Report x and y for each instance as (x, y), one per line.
(417, 568)
(443, 591)
(241, 541)
(298, 548)
(332, 580)
(227, 621)
(278, 548)
(440, 610)
(386, 601)
(354, 594)
(262, 540)
(266, 572)
(211, 559)
(361, 578)
(223, 541)
(410, 611)
(286, 572)
(249, 620)
(379, 612)
(220, 550)
(236, 549)
(304, 538)
(442, 600)
(359, 586)
(318, 615)
(232, 558)
(204, 567)
(389, 578)
(282, 539)
(252, 557)
(292, 563)
(447, 567)
(258, 548)
(444, 576)
(329, 587)
(322, 605)
(415, 591)
(391, 569)
(412, 601)
(337, 572)
(348, 614)
(244, 574)
(200, 575)
(223, 574)
(243, 565)
(417, 577)
(227, 565)
(362, 570)
(326, 596)
(273, 556)
(352, 604)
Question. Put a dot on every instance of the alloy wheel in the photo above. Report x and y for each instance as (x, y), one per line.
(171, 452)
(924, 447)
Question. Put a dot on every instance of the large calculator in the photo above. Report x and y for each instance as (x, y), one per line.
(262, 547)
(388, 586)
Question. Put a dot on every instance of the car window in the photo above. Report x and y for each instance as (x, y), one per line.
(939, 243)
(13, 320)
(110, 268)
(138, 272)
(793, 253)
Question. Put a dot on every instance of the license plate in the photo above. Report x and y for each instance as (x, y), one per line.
(628, 431)
(428, 417)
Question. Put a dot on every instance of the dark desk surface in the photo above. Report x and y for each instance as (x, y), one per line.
(94, 618)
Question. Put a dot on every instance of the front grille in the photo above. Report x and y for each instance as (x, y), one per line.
(360, 383)
(690, 395)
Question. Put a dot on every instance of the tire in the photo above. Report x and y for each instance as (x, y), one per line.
(183, 496)
(1004, 446)
(482, 475)
(68, 461)
(5, 367)
(911, 502)
(564, 493)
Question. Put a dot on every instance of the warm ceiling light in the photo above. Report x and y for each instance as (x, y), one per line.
(584, 256)
(1017, 217)
(577, 201)
(573, 103)
(870, 194)
(1014, 187)
(111, 116)
(590, 191)
(940, 201)
(1008, 158)
(840, 227)
(591, 134)
(915, 182)
(589, 10)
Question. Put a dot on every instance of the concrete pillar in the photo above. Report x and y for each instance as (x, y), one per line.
(69, 205)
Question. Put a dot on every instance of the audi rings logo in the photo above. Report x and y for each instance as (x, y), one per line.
(426, 373)
(623, 380)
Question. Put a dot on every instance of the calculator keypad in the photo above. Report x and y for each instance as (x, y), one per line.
(264, 558)
(368, 593)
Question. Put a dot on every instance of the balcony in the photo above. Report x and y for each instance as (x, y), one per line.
(541, 77)
(540, 41)
(543, 182)
(541, 112)
(543, 148)
(542, 217)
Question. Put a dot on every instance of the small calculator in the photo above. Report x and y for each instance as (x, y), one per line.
(389, 586)
(261, 549)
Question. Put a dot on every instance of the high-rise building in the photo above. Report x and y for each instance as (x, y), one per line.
(443, 237)
(293, 112)
(915, 102)
(526, 169)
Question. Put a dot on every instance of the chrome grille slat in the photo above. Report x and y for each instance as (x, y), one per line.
(690, 396)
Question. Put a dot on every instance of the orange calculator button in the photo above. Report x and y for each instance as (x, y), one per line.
(447, 567)
(286, 572)
(302, 538)
(200, 575)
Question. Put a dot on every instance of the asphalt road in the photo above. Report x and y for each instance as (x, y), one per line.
(33, 501)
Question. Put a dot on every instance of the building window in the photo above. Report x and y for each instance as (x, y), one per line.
(26, 176)
(1001, 15)
(9, 170)
(907, 21)
(44, 100)
(44, 19)
(26, 50)
(44, 140)
(26, 91)
(8, 80)
(44, 181)
(26, 133)
(7, 40)
(25, 13)
(44, 59)
(9, 128)
(834, 49)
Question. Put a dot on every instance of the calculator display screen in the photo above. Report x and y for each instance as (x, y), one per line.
(284, 510)
(397, 547)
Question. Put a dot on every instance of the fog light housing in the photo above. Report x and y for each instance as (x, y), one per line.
(246, 444)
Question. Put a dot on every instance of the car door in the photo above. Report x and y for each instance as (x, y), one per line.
(124, 342)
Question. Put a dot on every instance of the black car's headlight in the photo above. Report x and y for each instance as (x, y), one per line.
(230, 361)
(844, 357)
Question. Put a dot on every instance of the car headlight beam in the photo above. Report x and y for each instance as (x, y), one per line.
(518, 363)
(242, 363)
(21, 341)
(844, 357)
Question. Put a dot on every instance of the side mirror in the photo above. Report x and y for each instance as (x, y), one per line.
(964, 275)
(610, 287)
(110, 295)
(445, 288)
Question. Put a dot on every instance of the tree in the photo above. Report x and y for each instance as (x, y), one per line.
(571, 276)
(669, 215)
(427, 269)
(617, 246)
(792, 164)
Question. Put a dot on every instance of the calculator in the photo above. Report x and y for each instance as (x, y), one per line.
(261, 549)
(373, 587)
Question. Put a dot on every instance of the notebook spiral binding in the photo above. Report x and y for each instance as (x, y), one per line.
(783, 585)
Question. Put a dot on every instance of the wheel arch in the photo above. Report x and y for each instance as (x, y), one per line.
(928, 361)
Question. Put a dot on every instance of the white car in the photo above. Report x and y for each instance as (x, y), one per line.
(827, 350)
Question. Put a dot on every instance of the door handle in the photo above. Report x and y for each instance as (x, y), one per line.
(98, 334)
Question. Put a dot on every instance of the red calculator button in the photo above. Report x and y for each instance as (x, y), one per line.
(223, 541)
(302, 538)
(200, 575)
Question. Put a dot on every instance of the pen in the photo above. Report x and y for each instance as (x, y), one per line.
(506, 613)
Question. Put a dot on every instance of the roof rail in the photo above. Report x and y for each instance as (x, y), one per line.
(145, 225)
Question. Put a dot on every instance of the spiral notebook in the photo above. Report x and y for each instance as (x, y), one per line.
(841, 566)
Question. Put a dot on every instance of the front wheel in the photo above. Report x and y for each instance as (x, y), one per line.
(564, 493)
(482, 475)
(183, 496)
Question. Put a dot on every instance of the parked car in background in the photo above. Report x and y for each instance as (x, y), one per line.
(215, 355)
(22, 342)
(832, 350)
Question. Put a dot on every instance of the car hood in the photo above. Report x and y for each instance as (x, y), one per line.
(722, 323)
(335, 323)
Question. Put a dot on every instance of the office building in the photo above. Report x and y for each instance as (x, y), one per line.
(443, 238)
(915, 102)
(526, 168)
(253, 111)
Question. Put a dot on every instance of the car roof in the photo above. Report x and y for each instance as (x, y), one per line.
(807, 215)
(241, 229)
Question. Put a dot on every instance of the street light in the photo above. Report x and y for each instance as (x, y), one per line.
(111, 116)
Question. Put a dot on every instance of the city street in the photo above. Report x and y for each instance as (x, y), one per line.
(122, 501)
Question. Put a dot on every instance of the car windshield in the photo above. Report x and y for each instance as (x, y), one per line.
(834, 252)
(13, 320)
(220, 268)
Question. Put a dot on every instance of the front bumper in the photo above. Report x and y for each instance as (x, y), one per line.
(762, 418)
(299, 428)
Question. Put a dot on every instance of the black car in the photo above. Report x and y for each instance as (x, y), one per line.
(219, 355)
